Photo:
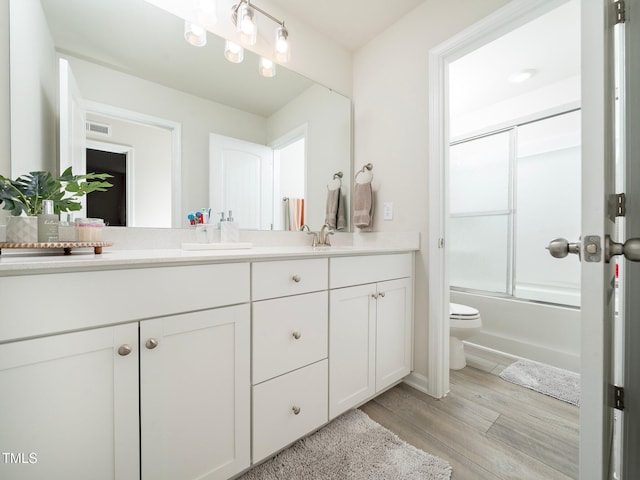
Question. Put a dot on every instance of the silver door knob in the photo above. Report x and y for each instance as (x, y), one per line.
(295, 410)
(630, 249)
(560, 247)
(124, 350)
(296, 278)
(151, 343)
(296, 335)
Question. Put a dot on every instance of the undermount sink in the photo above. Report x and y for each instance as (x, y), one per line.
(216, 246)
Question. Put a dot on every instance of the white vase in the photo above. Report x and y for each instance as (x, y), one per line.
(22, 229)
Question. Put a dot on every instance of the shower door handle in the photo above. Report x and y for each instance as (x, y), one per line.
(560, 247)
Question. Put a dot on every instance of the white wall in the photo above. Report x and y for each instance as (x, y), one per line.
(34, 89)
(5, 99)
(198, 118)
(150, 172)
(391, 113)
(326, 115)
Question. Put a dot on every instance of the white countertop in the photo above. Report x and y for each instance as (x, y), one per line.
(24, 262)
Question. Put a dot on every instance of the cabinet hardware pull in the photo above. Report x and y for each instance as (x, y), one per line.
(296, 278)
(151, 343)
(382, 294)
(296, 335)
(374, 295)
(124, 350)
(295, 409)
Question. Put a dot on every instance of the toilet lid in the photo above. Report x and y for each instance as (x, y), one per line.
(462, 311)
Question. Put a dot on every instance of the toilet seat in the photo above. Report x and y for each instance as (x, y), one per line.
(462, 312)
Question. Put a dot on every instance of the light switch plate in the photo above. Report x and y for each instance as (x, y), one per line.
(387, 210)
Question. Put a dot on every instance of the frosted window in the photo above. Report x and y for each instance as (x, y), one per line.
(479, 253)
(548, 206)
(479, 174)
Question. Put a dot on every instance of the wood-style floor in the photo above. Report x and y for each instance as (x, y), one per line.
(486, 428)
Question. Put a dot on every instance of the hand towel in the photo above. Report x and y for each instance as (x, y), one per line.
(363, 205)
(333, 204)
(342, 213)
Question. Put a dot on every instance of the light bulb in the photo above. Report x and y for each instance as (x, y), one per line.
(233, 52)
(246, 25)
(282, 50)
(195, 34)
(266, 67)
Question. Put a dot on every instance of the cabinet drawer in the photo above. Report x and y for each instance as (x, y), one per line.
(288, 333)
(289, 277)
(124, 295)
(347, 271)
(275, 403)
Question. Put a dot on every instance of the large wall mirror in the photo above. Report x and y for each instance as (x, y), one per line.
(165, 104)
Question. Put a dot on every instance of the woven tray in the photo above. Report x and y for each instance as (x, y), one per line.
(66, 246)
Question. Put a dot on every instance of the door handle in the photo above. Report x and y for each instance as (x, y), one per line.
(630, 249)
(560, 247)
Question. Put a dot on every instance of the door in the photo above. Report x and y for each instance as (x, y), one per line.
(393, 331)
(241, 180)
(69, 406)
(598, 166)
(73, 116)
(352, 324)
(194, 395)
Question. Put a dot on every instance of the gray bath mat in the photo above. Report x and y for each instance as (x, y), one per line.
(352, 447)
(555, 382)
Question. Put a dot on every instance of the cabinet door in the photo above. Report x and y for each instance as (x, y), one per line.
(69, 406)
(351, 347)
(194, 394)
(393, 331)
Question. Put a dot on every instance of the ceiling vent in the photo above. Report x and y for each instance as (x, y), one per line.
(96, 128)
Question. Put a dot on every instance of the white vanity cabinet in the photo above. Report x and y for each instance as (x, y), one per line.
(69, 406)
(194, 395)
(289, 344)
(166, 397)
(370, 327)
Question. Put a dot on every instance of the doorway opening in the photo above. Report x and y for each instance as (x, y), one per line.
(110, 205)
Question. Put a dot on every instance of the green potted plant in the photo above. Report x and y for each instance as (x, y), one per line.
(23, 197)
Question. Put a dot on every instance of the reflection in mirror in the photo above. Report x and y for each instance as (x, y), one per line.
(148, 69)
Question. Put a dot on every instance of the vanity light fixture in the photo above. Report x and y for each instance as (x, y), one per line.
(195, 34)
(266, 67)
(233, 52)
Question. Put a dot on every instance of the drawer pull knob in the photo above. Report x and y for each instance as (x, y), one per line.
(151, 343)
(124, 350)
(382, 294)
(296, 278)
(374, 295)
(295, 409)
(296, 335)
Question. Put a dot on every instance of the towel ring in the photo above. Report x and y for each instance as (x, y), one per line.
(339, 176)
(368, 167)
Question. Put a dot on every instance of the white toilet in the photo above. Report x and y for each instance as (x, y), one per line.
(464, 322)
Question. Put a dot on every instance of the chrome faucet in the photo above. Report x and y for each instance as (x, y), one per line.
(321, 238)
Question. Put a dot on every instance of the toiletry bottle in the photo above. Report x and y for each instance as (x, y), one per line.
(48, 223)
(229, 230)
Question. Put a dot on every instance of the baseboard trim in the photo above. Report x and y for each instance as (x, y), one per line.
(489, 354)
(419, 382)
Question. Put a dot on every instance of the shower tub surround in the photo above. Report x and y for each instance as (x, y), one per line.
(153, 363)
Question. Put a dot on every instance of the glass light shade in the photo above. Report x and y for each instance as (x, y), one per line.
(246, 25)
(206, 12)
(266, 67)
(233, 52)
(281, 46)
(195, 34)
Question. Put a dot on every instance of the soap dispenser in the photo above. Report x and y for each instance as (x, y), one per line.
(229, 230)
(48, 223)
